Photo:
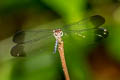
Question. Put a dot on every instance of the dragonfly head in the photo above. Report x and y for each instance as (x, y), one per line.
(57, 33)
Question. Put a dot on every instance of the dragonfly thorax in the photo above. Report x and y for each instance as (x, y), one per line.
(57, 33)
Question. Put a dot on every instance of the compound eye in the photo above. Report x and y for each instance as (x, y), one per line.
(61, 33)
(55, 34)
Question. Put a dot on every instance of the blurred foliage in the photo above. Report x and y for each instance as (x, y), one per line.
(31, 14)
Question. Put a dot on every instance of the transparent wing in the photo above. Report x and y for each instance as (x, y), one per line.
(87, 27)
(99, 32)
(43, 40)
(22, 37)
(27, 41)
(41, 45)
(83, 25)
(88, 23)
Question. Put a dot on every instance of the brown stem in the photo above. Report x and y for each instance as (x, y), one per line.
(61, 52)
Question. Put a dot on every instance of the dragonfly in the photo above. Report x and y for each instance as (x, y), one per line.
(25, 39)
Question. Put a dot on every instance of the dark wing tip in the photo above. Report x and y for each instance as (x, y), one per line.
(18, 51)
(19, 37)
(102, 33)
(97, 20)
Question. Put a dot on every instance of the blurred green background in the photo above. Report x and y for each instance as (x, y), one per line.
(100, 61)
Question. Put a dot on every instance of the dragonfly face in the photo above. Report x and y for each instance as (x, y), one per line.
(57, 33)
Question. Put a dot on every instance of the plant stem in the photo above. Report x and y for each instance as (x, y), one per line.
(62, 57)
